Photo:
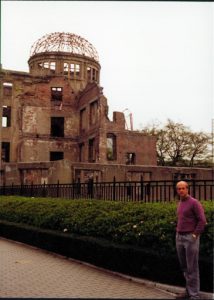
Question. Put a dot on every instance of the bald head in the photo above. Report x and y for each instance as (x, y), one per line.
(182, 183)
(182, 189)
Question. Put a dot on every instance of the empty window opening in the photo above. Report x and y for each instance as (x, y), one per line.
(6, 116)
(7, 88)
(81, 152)
(66, 67)
(57, 126)
(5, 152)
(93, 112)
(88, 73)
(111, 151)
(77, 70)
(53, 65)
(46, 65)
(91, 150)
(130, 158)
(56, 94)
(55, 155)
(72, 68)
(83, 119)
(93, 74)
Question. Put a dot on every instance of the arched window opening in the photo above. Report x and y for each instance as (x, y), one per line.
(111, 149)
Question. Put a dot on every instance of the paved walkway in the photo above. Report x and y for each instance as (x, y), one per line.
(29, 272)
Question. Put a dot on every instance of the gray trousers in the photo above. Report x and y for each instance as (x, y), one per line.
(188, 253)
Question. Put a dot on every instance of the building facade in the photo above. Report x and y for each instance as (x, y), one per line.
(57, 112)
(55, 126)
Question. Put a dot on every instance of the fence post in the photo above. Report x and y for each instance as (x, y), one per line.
(148, 191)
(57, 189)
(175, 181)
(114, 188)
(141, 188)
(21, 189)
(31, 189)
(193, 186)
(73, 188)
(12, 188)
(205, 190)
(91, 187)
(78, 185)
(43, 190)
(164, 191)
(4, 189)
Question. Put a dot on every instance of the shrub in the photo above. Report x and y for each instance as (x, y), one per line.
(150, 225)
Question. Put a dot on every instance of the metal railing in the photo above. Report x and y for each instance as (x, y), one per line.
(146, 191)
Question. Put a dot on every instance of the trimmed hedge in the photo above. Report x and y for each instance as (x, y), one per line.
(142, 224)
(147, 230)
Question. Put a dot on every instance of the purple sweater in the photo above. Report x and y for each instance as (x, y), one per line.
(191, 216)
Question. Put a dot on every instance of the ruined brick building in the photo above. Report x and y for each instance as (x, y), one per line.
(55, 123)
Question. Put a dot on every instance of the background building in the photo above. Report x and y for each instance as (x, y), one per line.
(57, 112)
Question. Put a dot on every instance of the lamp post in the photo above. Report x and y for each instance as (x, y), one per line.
(213, 149)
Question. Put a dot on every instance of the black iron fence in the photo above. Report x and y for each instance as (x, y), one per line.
(146, 191)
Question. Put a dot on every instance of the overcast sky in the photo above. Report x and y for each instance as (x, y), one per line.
(156, 57)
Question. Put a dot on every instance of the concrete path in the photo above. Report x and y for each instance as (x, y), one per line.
(29, 272)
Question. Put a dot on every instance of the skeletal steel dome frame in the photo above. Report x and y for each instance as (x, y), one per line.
(64, 42)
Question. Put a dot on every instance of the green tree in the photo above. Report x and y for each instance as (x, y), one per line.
(177, 145)
(198, 147)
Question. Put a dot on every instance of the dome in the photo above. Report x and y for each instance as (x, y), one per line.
(64, 42)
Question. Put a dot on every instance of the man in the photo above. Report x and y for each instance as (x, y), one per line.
(190, 224)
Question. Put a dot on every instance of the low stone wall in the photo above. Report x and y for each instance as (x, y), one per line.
(66, 171)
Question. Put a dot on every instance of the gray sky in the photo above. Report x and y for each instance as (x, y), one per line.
(156, 57)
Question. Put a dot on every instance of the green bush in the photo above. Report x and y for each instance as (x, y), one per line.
(148, 225)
